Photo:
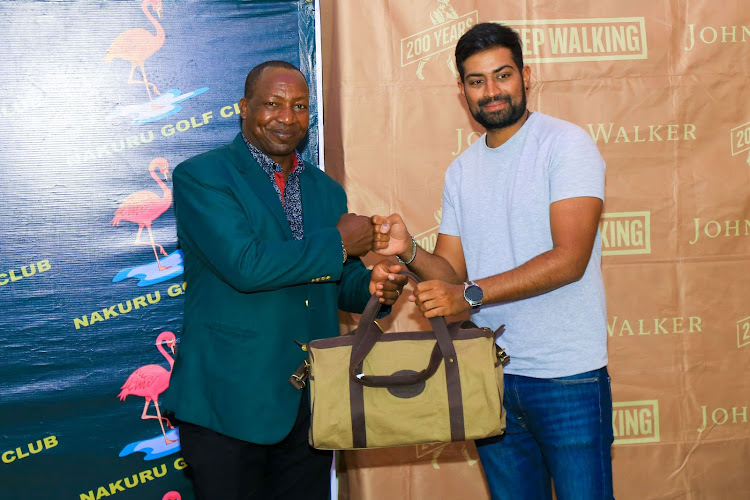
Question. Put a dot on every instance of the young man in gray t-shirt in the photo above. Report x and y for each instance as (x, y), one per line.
(519, 245)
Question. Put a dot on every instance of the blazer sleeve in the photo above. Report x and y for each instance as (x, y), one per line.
(212, 222)
(354, 292)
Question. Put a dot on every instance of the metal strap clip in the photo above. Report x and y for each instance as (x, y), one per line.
(299, 377)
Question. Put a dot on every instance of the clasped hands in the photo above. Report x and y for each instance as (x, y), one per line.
(359, 235)
(388, 236)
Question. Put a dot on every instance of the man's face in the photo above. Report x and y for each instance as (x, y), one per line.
(494, 88)
(275, 118)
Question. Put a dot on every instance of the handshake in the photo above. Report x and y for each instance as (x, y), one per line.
(442, 292)
(385, 236)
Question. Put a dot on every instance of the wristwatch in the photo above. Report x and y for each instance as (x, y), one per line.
(473, 294)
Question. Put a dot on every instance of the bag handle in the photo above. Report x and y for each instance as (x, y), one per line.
(368, 333)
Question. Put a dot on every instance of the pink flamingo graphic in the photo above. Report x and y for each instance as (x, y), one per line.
(137, 44)
(143, 207)
(151, 380)
(172, 495)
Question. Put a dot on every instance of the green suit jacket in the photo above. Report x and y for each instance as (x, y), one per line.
(252, 290)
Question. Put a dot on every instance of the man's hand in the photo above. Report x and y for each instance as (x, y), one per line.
(359, 235)
(400, 239)
(386, 283)
(438, 298)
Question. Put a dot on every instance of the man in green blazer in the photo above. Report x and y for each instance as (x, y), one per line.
(270, 255)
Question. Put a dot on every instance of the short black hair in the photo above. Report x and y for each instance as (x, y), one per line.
(252, 77)
(484, 36)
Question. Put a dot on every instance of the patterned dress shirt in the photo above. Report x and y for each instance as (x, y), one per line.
(291, 198)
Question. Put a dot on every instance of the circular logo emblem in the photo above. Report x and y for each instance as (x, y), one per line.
(407, 391)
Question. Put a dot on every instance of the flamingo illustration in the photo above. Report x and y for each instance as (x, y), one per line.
(151, 380)
(137, 44)
(172, 495)
(143, 207)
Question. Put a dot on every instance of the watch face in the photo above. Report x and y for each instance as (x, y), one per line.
(473, 294)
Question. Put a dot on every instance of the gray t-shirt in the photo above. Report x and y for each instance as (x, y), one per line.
(497, 201)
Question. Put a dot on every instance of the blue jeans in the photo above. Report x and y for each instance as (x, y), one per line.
(558, 430)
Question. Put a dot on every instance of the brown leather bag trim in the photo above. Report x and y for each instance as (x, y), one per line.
(357, 405)
(457, 330)
(368, 334)
(455, 407)
(364, 339)
(455, 400)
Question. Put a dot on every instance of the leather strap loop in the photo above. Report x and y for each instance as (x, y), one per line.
(367, 334)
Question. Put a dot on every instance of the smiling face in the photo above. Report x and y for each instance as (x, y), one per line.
(494, 88)
(276, 116)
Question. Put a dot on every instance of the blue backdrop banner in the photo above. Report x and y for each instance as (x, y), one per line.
(101, 100)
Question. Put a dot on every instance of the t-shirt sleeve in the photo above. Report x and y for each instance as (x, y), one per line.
(449, 219)
(576, 167)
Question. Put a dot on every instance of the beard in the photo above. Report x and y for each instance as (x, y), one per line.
(503, 118)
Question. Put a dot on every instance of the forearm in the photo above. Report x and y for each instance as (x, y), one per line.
(253, 265)
(430, 266)
(544, 273)
(246, 249)
(353, 289)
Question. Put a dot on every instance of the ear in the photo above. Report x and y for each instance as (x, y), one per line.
(526, 74)
(460, 85)
(243, 108)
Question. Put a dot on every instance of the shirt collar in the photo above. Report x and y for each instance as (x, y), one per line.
(268, 164)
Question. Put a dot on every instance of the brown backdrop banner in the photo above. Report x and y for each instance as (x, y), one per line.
(662, 87)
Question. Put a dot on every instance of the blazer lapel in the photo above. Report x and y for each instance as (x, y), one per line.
(258, 181)
(313, 213)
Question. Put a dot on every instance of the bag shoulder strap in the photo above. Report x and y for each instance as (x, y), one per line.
(368, 333)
